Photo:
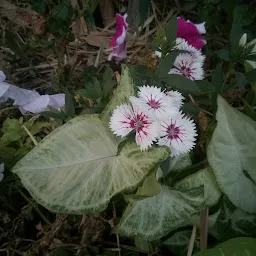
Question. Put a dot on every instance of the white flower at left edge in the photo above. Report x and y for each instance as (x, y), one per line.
(186, 66)
(126, 119)
(27, 100)
(154, 102)
(178, 133)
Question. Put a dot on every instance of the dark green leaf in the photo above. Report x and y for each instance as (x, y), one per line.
(182, 84)
(251, 57)
(205, 86)
(62, 12)
(69, 104)
(171, 29)
(236, 31)
(166, 63)
(240, 79)
(223, 54)
(40, 5)
(144, 6)
(88, 17)
(108, 81)
(53, 115)
(59, 252)
(251, 76)
(141, 75)
(218, 78)
(242, 246)
(233, 222)
(190, 108)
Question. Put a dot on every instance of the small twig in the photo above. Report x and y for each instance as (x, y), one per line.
(192, 241)
(30, 135)
(203, 229)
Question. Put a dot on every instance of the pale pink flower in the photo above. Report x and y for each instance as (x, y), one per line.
(27, 100)
(185, 65)
(126, 119)
(191, 32)
(154, 102)
(176, 98)
(178, 133)
(118, 42)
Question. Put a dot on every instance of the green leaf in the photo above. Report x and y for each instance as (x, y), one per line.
(244, 246)
(178, 243)
(224, 54)
(183, 84)
(236, 31)
(62, 12)
(240, 79)
(166, 63)
(203, 177)
(251, 57)
(53, 115)
(69, 104)
(122, 94)
(173, 164)
(251, 76)
(231, 154)
(218, 78)
(76, 169)
(233, 222)
(154, 217)
(171, 29)
(144, 6)
(108, 82)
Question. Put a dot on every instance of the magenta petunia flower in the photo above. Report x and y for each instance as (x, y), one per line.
(118, 42)
(191, 32)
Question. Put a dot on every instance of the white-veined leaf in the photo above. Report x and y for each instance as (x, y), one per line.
(76, 169)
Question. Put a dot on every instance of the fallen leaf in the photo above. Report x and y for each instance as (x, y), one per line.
(96, 41)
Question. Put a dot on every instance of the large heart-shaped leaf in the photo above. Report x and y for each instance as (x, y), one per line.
(231, 154)
(203, 177)
(153, 217)
(242, 246)
(76, 169)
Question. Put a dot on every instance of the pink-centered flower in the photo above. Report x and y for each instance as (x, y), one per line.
(178, 133)
(186, 66)
(118, 42)
(182, 45)
(126, 119)
(191, 32)
(154, 102)
(176, 98)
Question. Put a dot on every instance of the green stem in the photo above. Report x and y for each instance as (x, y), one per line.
(33, 204)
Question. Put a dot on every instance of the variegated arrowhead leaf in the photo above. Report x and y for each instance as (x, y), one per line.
(76, 169)
(153, 217)
(203, 177)
(231, 154)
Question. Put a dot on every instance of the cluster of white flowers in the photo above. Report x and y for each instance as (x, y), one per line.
(189, 64)
(155, 116)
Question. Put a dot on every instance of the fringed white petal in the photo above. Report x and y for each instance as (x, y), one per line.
(178, 133)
